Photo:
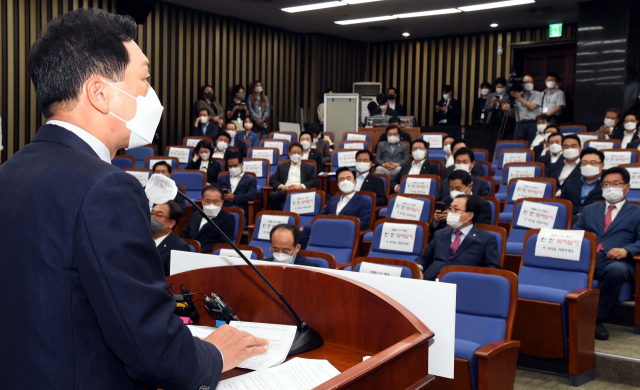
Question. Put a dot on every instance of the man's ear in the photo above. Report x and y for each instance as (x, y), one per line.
(297, 248)
(97, 95)
(174, 224)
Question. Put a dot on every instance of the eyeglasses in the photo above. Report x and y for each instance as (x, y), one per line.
(614, 184)
(456, 211)
(158, 215)
(165, 172)
(285, 251)
(592, 163)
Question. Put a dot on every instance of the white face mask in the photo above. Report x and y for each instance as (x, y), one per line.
(296, 158)
(211, 210)
(501, 90)
(570, 154)
(551, 84)
(455, 194)
(589, 171)
(235, 171)
(419, 154)
(446, 96)
(258, 89)
(555, 148)
(145, 122)
(282, 258)
(383, 107)
(232, 133)
(613, 194)
(222, 146)
(447, 149)
(462, 167)
(453, 220)
(484, 91)
(305, 145)
(609, 122)
(629, 126)
(393, 139)
(363, 167)
(346, 186)
(204, 119)
(248, 126)
(205, 155)
(528, 87)
(541, 128)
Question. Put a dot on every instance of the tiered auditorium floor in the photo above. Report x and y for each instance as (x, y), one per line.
(530, 380)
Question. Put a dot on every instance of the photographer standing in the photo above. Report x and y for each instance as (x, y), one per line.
(527, 103)
(492, 109)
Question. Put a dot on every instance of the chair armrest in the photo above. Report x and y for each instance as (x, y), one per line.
(497, 347)
(266, 191)
(342, 265)
(497, 364)
(582, 310)
(636, 258)
(252, 211)
(377, 209)
(250, 231)
(327, 167)
(582, 294)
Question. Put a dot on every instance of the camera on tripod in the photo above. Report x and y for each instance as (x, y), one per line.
(514, 83)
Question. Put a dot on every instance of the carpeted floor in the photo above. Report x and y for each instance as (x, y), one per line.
(530, 380)
(622, 341)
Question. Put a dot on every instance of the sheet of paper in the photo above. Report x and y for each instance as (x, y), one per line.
(354, 145)
(201, 331)
(537, 215)
(274, 144)
(356, 137)
(528, 189)
(407, 208)
(142, 177)
(193, 142)
(181, 153)
(379, 269)
(277, 135)
(434, 140)
(253, 166)
(347, 159)
(280, 339)
(226, 252)
(513, 157)
(585, 138)
(267, 222)
(600, 145)
(296, 374)
(265, 154)
(417, 186)
(303, 203)
(613, 159)
(398, 237)
(635, 178)
(518, 172)
(559, 244)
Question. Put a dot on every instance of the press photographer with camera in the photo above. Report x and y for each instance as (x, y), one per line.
(527, 101)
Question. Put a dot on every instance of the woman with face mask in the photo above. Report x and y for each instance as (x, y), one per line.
(478, 107)
(237, 108)
(259, 107)
(203, 161)
(207, 101)
(254, 139)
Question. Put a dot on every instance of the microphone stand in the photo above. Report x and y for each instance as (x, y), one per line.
(306, 338)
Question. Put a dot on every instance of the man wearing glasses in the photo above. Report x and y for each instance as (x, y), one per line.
(616, 224)
(285, 246)
(164, 217)
(585, 189)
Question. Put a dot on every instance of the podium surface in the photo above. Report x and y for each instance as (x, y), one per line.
(354, 320)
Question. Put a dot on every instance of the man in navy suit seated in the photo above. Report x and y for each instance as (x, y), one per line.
(461, 243)
(238, 188)
(165, 217)
(456, 145)
(568, 165)
(585, 189)
(464, 161)
(616, 224)
(553, 145)
(285, 246)
(164, 168)
(349, 203)
(205, 126)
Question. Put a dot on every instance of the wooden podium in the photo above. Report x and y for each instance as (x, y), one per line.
(354, 320)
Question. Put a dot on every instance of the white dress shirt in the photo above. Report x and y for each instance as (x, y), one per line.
(536, 141)
(294, 175)
(343, 202)
(626, 139)
(566, 170)
(360, 180)
(202, 223)
(614, 212)
(234, 180)
(95, 144)
(218, 154)
(305, 155)
(416, 167)
(392, 104)
(555, 158)
(160, 239)
(450, 161)
(464, 231)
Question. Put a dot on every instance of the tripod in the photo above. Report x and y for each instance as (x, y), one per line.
(505, 121)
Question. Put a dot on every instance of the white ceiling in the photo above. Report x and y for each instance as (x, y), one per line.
(268, 12)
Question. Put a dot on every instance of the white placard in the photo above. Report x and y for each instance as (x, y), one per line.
(142, 177)
(407, 208)
(613, 159)
(357, 146)
(537, 215)
(181, 153)
(267, 222)
(347, 159)
(635, 178)
(264, 154)
(528, 189)
(600, 145)
(277, 135)
(303, 203)
(559, 244)
(356, 137)
(513, 157)
(226, 252)
(518, 172)
(153, 162)
(398, 237)
(414, 185)
(379, 269)
(276, 145)
(253, 166)
(434, 140)
(585, 138)
(193, 142)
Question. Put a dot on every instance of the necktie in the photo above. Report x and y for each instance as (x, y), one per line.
(607, 222)
(455, 244)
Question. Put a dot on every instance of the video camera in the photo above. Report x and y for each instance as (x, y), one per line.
(514, 83)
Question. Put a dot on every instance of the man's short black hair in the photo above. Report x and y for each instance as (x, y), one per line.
(223, 133)
(291, 228)
(234, 155)
(592, 151)
(626, 177)
(372, 106)
(420, 141)
(298, 144)
(447, 88)
(367, 152)
(381, 98)
(459, 174)
(615, 110)
(310, 134)
(175, 212)
(345, 169)
(544, 117)
(457, 141)
(552, 127)
(237, 89)
(159, 163)
(555, 75)
(235, 127)
(501, 80)
(572, 136)
(485, 84)
(390, 127)
(473, 205)
(314, 128)
(558, 134)
(463, 151)
(74, 47)
(394, 119)
(213, 188)
(395, 91)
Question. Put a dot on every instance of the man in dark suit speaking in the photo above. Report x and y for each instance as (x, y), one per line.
(95, 314)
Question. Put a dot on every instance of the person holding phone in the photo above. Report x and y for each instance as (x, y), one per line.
(237, 107)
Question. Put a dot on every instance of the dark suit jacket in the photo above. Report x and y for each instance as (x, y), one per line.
(624, 231)
(307, 176)
(618, 133)
(476, 170)
(89, 254)
(208, 236)
(375, 184)
(171, 242)
(555, 170)
(389, 112)
(213, 169)
(633, 145)
(299, 260)
(480, 187)
(427, 169)
(317, 157)
(452, 115)
(400, 155)
(478, 249)
(484, 216)
(326, 152)
(240, 145)
(246, 191)
(537, 151)
(572, 189)
(212, 130)
(478, 106)
(399, 109)
(357, 207)
(180, 201)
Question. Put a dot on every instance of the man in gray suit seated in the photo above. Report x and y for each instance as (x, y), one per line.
(391, 155)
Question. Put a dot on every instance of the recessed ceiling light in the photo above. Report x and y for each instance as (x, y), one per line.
(493, 25)
(358, 1)
(312, 7)
(499, 4)
(429, 13)
(366, 20)
(406, 34)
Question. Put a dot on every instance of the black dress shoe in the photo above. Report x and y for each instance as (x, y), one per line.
(601, 332)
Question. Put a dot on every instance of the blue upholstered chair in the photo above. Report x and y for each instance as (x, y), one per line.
(193, 181)
(238, 217)
(150, 161)
(270, 143)
(335, 234)
(495, 208)
(503, 145)
(409, 269)
(264, 243)
(550, 192)
(306, 219)
(602, 144)
(124, 162)
(501, 237)
(345, 136)
(182, 149)
(497, 174)
(354, 145)
(504, 181)
(274, 160)
(434, 183)
(140, 154)
(435, 153)
(322, 260)
(572, 129)
(420, 242)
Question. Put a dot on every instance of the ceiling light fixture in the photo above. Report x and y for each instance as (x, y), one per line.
(312, 7)
(366, 20)
(428, 13)
(499, 4)
(406, 34)
(493, 25)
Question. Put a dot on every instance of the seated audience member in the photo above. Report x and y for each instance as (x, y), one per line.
(616, 224)
(392, 98)
(285, 246)
(461, 243)
(368, 182)
(319, 142)
(383, 106)
(164, 168)
(630, 138)
(372, 106)
(404, 136)
(554, 147)
(478, 107)
(419, 166)
(238, 189)
(542, 148)
(306, 140)
(349, 203)
(458, 183)
(455, 146)
(164, 217)
(205, 126)
(611, 127)
(448, 109)
(203, 160)
(248, 134)
(585, 189)
(537, 138)
(446, 147)
(568, 165)
(392, 154)
(199, 229)
(229, 136)
(293, 175)
(464, 161)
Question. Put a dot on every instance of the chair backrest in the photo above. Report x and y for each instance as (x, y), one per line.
(329, 134)
(354, 145)
(259, 167)
(481, 155)
(150, 161)
(513, 154)
(492, 184)
(502, 145)
(141, 174)
(563, 216)
(634, 171)
(440, 165)
(238, 216)
(269, 154)
(265, 221)
(355, 136)
(256, 252)
(281, 144)
(558, 272)
(486, 302)
(370, 197)
(501, 236)
(603, 144)
(420, 184)
(385, 227)
(613, 157)
(408, 269)
(194, 245)
(193, 181)
(184, 154)
(124, 162)
(305, 218)
(584, 137)
(193, 141)
(322, 260)
(435, 145)
(386, 181)
(427, 209)
(285, 135)
(141, 153)
(495, 208)
(337, 235)
(549, 190)
(529, 169)
(486, 167)
(572, 129)
(343, 158)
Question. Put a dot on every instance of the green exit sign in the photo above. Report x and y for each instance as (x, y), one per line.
(555, 30)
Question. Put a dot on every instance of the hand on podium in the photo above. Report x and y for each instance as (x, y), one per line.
(236, 346)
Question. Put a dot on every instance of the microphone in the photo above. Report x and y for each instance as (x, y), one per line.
(160, 189)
